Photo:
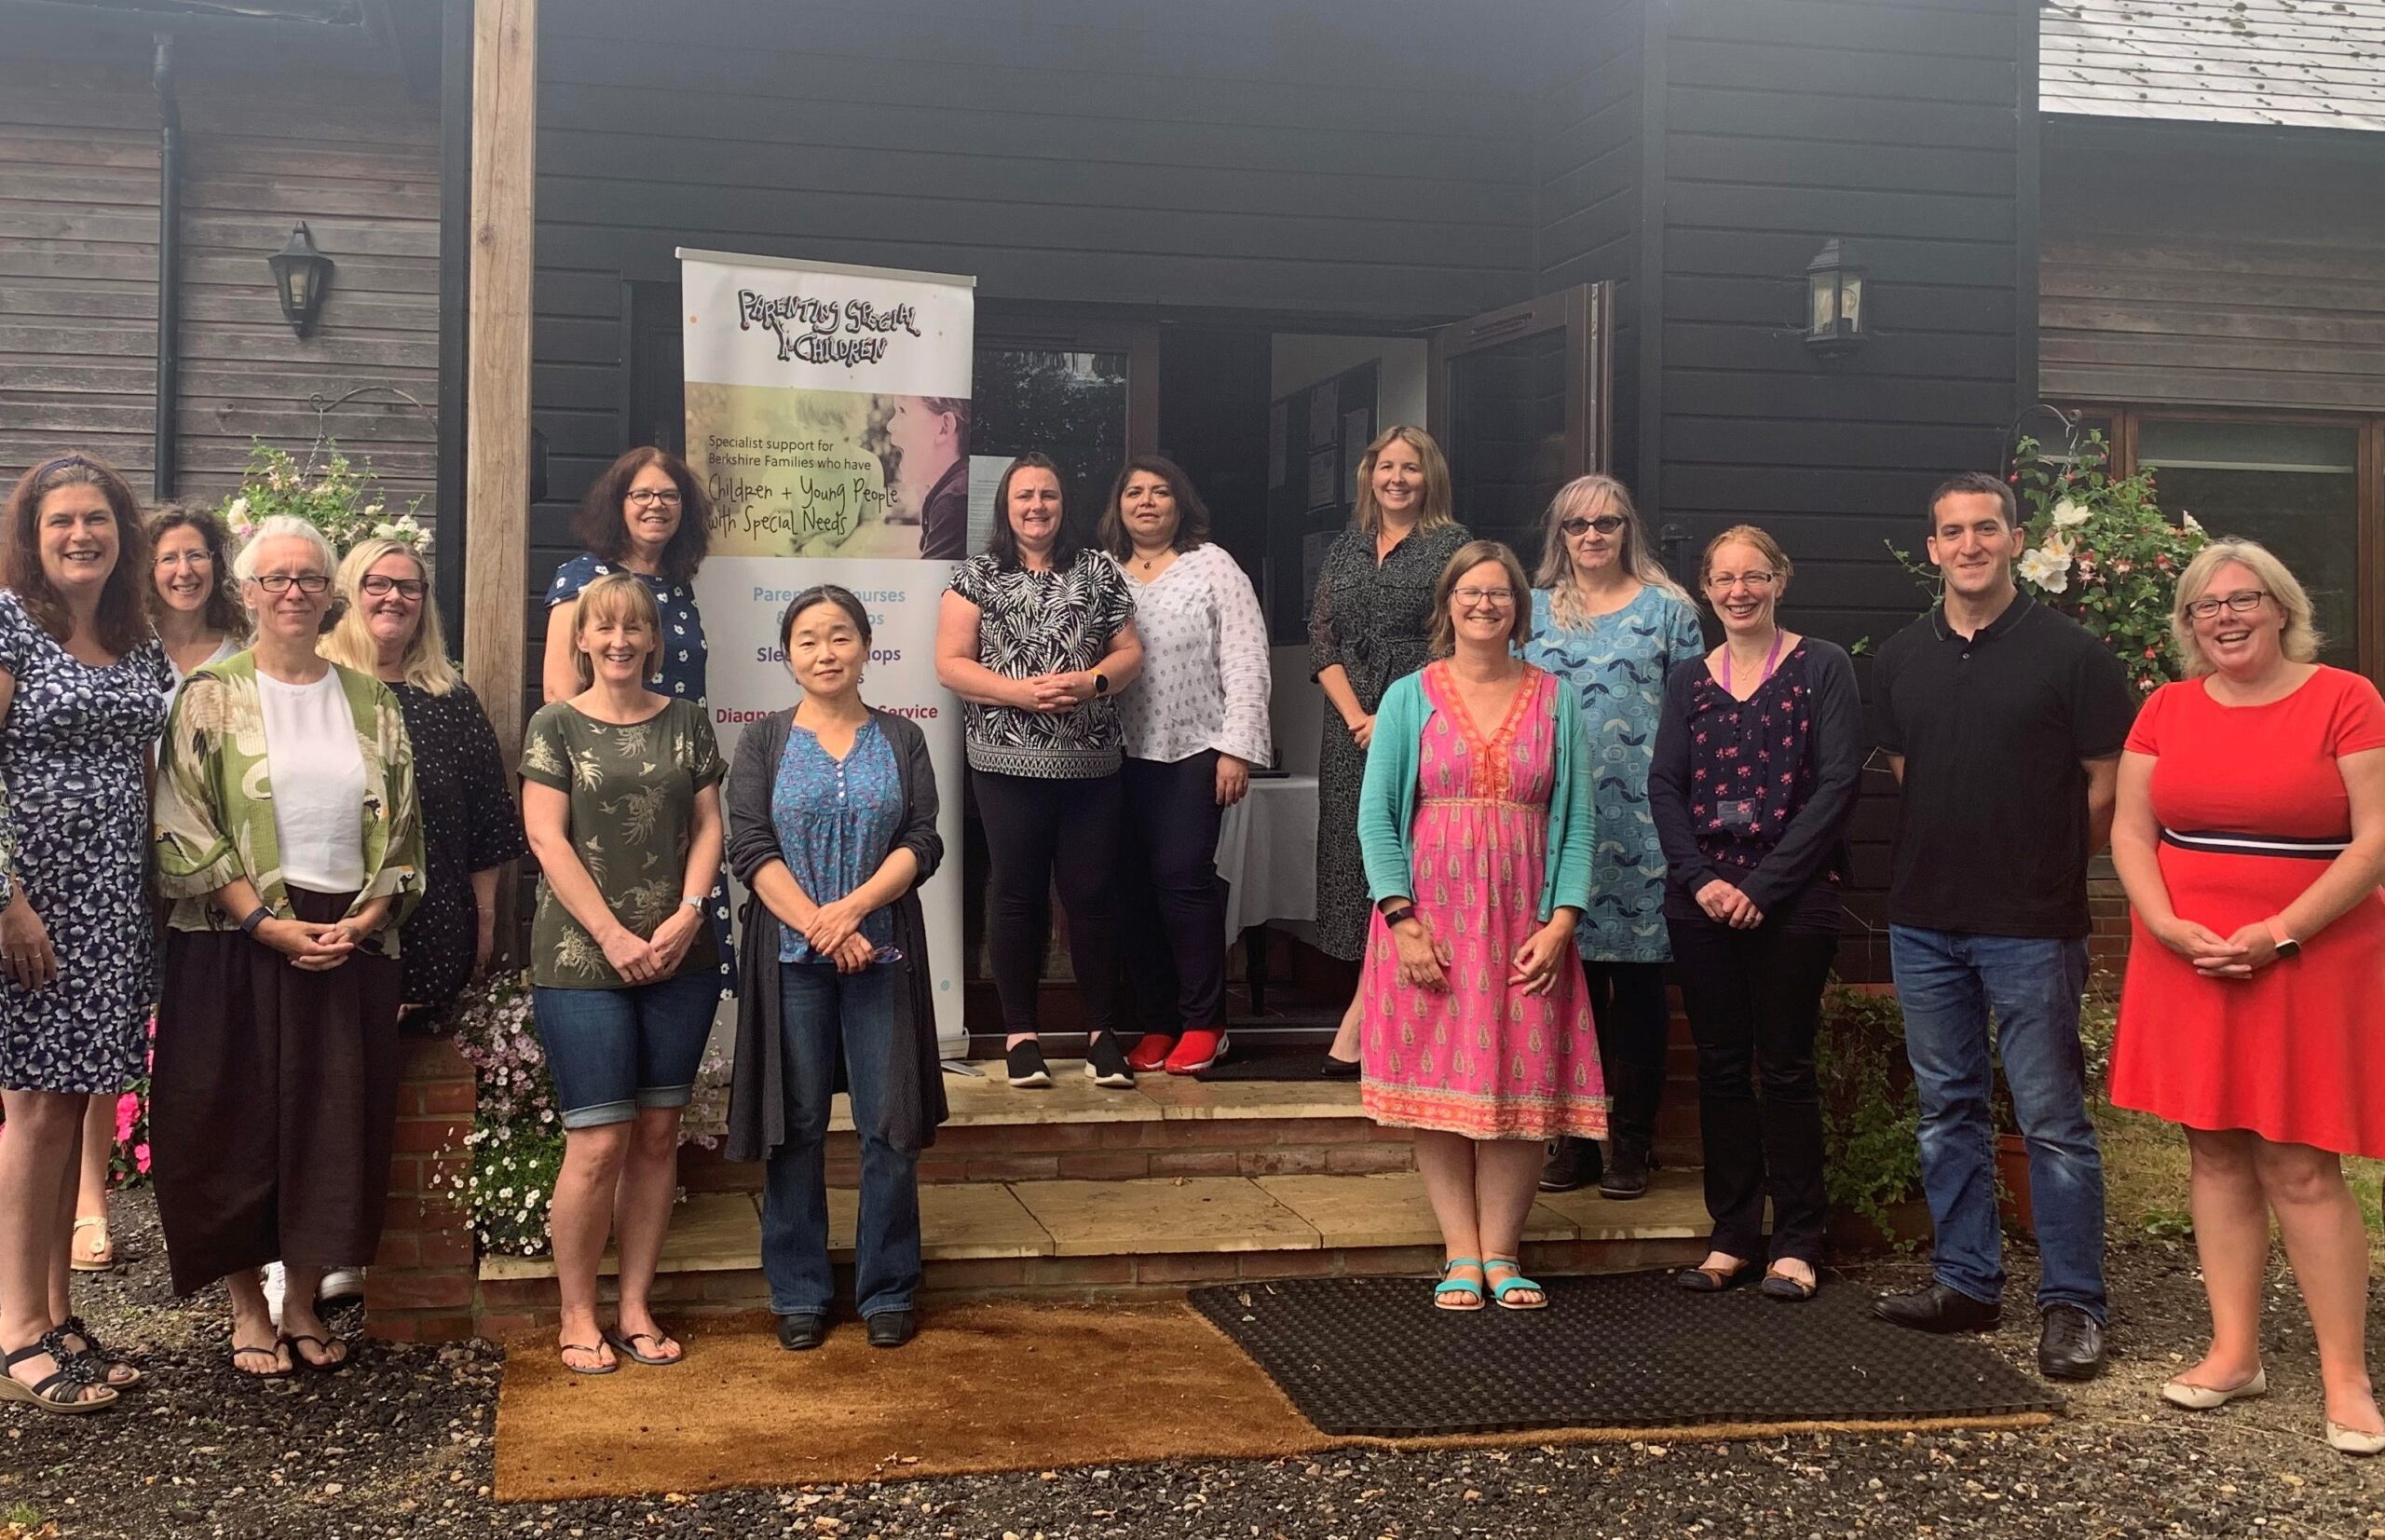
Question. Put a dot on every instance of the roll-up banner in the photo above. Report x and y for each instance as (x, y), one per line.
(828, 418)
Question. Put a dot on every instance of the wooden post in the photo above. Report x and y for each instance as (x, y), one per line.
(497, 472)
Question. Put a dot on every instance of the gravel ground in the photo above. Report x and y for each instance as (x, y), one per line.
(399, 1445)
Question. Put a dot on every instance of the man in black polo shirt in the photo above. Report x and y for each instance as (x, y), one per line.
(2004, 721)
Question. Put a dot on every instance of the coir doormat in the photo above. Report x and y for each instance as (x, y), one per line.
(1372, 1356)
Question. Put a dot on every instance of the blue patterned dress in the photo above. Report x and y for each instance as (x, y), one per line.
(1618, 663)
(73, 752)
(836, 820)
(681, 665)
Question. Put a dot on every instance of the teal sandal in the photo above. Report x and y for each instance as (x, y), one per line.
(1518, 1284)
(1450, 1288)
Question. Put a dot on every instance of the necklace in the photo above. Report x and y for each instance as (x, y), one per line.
(1771, 662)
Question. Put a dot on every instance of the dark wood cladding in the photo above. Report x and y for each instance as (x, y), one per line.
(352, 153)
(2215, 265)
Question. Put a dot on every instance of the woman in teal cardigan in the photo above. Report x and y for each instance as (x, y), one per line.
(1475, 825)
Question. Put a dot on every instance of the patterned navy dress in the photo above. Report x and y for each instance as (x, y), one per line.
(680, 666)
(74, 751)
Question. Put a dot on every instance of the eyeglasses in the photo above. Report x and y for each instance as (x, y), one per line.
(1605, 523)
(2243, 602)
(1497, 598)
(1731, 579)
(279, 583)
(186, 558)
(648, 497)
(381, 587)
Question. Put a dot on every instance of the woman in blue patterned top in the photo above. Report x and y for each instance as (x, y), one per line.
(646, 515)
(832, 809)
(1607, 619)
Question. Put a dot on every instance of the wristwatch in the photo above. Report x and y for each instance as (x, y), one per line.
(257, 917)
(1393, 917)
(2286, 946)
(1100, 683)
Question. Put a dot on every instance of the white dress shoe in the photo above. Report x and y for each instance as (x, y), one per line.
(2205, 1398)
(2345, 1441)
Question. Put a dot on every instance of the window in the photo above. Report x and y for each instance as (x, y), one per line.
(2310, 488)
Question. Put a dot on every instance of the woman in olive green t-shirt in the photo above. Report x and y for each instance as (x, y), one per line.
(621, 797)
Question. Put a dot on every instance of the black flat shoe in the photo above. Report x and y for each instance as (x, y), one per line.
(1572, 1165)
(2070, 1344)
(893, 1328)
(1340, 1069)
(1780, 1285)
(1106, 1063)
(1025, 1066)
(1712, 1280)
(802, 1333)
(1938, 1308)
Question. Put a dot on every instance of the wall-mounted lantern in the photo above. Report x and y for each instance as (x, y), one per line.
(301, 274)
(1834, 320)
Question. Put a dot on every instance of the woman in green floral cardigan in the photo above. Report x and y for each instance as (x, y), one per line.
(290, 845)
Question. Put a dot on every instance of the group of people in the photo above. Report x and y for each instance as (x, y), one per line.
(1536, 793)
(246, 791)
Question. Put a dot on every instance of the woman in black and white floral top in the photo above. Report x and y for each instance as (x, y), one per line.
(1195, 723)
(1037, 636)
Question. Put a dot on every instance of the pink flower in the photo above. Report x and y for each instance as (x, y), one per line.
(141, 1157)
(128, 1112)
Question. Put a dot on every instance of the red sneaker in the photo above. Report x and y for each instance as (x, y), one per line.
(1196, 1050)
(1150, 1056)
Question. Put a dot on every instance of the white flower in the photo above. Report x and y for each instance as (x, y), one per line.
(2191, 523)
(2059, 545)
(2068, 513)
(2046, 570)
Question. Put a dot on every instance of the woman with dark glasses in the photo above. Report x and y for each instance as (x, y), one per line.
(1608, 620)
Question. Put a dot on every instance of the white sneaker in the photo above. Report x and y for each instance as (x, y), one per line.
(275, 1284)
(340, 1283)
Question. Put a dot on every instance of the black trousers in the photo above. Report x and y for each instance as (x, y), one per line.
(1042, 833)
(1628, 1002)
(1755, 1000)
(1171, 915)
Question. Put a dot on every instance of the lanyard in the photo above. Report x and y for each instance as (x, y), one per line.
(1771, 662)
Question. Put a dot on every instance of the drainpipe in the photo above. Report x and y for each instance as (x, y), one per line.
(170, 204)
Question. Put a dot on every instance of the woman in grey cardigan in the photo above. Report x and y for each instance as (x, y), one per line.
(832, 809)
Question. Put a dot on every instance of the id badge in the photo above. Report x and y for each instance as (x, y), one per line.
(1738, 815)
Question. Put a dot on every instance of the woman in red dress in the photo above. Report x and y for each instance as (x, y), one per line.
(2250, 838)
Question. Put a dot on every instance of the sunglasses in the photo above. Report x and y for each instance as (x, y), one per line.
(1605, 523)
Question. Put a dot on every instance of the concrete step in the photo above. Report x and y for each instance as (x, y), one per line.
(1137, 1234)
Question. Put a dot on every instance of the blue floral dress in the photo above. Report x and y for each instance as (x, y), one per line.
(1618, 663)
(73, 754)
(681, 667)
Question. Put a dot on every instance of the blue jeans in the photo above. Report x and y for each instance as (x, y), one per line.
(1949, 984)
(610, 1052)
(824, 1016)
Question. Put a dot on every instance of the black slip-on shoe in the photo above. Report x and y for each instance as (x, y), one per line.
(1025, 1064)
(893, 1328)
(1106, 1062)
(1938, 1308)
(2070, 1344)
(801, 1333)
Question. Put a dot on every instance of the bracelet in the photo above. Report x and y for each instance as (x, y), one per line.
(257, 917)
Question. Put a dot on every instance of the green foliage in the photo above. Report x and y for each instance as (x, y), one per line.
(2167, 1224)
(2101, 551)
(336, 497)
(1870, 1117)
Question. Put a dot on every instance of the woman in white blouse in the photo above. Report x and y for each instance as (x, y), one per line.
(1195, 723)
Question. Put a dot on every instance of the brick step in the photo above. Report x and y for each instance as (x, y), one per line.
(1107, 1237)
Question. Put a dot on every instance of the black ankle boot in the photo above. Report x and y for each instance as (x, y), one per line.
(1626, 1172)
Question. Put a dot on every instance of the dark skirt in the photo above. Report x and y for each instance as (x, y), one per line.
(272, 1103)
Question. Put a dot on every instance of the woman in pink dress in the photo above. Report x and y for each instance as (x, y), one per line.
(1474, 823)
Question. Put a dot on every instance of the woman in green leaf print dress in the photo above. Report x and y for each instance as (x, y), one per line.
(621, 797)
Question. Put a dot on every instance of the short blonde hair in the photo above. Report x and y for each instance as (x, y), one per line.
(1469, 556)
(1767, 547)
(615, 596)
(2300, 641)
(1438, 500)
(425, 664)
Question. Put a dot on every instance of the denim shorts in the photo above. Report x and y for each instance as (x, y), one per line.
(612, 1052)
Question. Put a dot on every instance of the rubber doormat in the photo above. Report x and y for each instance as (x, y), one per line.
(1371, 1356)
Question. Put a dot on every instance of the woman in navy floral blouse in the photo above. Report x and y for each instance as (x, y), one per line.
(1758, 754)
(646, 515)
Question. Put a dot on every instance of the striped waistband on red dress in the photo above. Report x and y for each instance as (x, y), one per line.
(2218, 843)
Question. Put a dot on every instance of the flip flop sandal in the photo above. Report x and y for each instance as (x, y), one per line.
(1517, 1285)
(102, 1251)
(1452, 1289)
(325, 1365)
(274, 1353)
(626, 1345)
(96, 1353)
(60, 1392)
(563, 1348)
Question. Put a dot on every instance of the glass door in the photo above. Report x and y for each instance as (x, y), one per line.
(1520, 400)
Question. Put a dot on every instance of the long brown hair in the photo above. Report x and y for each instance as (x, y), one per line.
(1191, 513)
(605, 532)
(122, 621)
(1439, 498)
(225, 615)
